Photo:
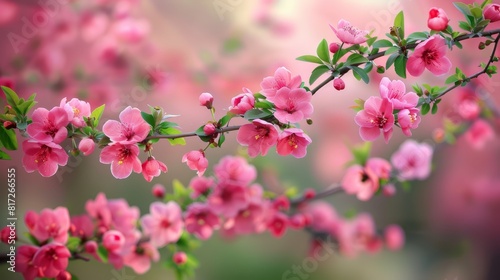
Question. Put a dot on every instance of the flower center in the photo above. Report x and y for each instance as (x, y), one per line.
(124, 154)
(429, 56)
(352, 30)
(43, 154)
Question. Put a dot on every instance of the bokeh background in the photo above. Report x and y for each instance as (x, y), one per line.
(165, 53)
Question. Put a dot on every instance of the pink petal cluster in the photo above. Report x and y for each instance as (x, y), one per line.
(196, 160)
(235, 170)
(429, 54)
(282, 79)
(349, 34)
(141, 256)
(364, 182)
(131, 129)
(153, 168)
(375, 117)
(412, 160)
(438, 19)
(200, 186)
(45, 157)
(395, 91)
(293, 141)
(242, 102)
(124, 158)
(479, 134)
(76, 110)
(164, 223)
(259, 136)
(48, 261)
(49, 224)
(292, 105)
(201, 221)
(492, 12)
(49, 126)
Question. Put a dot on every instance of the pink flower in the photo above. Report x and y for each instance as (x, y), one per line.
(179, 258)
(360, 181)
(228, 199)
(242, 103)
(429, 54)
(380, 167)
(492, 12)
(408, 119)
(206, 99)
(251, 219)
(131, 30)
(5, 234)
(293, 141)
(140, 258)
(235, 170)
(82, 226)
(277, 224)
(479, 134)
(64, 275)
(376, 116)
(51, 259)
(24, 261)
(210, 130)
(394, 237)
(358, 235)
(338, 84)
(43, 157)
(123, 159)
(98, 209)
(292, 105)
(113, 240)
(86, 146)
(321, 216)
(153, 168)
(258, 136)
(49, 224)
(438, 19)
(201, 221)
(76, 110)
(131, 129)
(395, 91)
(196, 160)
(413, 160)
(49, 126)
(200, 185)
(348, 33)
(163, 224)
(282, 78)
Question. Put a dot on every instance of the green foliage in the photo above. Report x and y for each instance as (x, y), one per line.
(323, 51)
(318, 72)
(400, 65)
(257, 114)
(97, 114)
(361, 153)
(310, 58)
(399, 24)
(360, 74)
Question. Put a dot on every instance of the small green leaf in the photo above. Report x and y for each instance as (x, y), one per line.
(370, 41)
(361, 153)
(400, 66)
(73, 243)
(356, 58)
(148, 118)
(8, 138)
(425, 108)
(399, 22)
(323, 51)
(102, 253)
(11, 96)
(97, 114)
(476, 12)
(361, 73)
(256, 114)
(172, 131)
(264, 104)
(382, 44)
(222, 139)
(225, 120)
(451, 79)
(391, 60)
(416, 36)
(464, 25)
(434, 108)
(4, 155)
(310, 58)
(318, 72)
(463, 8)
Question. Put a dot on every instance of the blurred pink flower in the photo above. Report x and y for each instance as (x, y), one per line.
(320, 216)
(131, 30)
(49, 224)
(479, 134)
(24, 261)
(113, 240)
(394, 237)
(81, 226)
(196, 160)
(235, 170)
(282, 78)
(8, 11)
(492, 12)
(259, 136)
(98, 209)
(152, 168)
(179, 258)
(131, 129)
(163, 224)
(48, 126)
(429, 54)
(201, 221)
(292, 105)
(206, 99)
(140, 258)
(438, 19)
(360, 181)
(86, 146)
(158, 191)
(76, 109)
(358, 235)
(51, 259)
(43, 157)
(242, 102)
(376, 115)
(277, 224)
(7, 82)
(293, 141)
(380, 167)
(123, 159)
(413, 160)
(200, 185)
(395, 91)
(349, 34)
(92, 25)
(228, 199)
(409, 119)
(251, 219)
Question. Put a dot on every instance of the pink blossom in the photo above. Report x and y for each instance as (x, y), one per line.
(348, 33)
(24, 261)
(380, 167)
(8, 11)
(277, 224)
(338, 84)
(228, 199)
(140, 258)
(375, 117)
(281, 203)
(429, 54)
(358, 235)
(413, 160)
(292, 105)
(210, 130)
(321, 215)
(98, 209)
(5, 234)
(259, 136)
(179, 258)
(82, 226)
(394, 237)
(492, 12)
(49, 224)
(158, 191)
(113, 240)
(395, 91)
(153, 168)
(468, 108)
(242, 103)
(389, 190)
(51, 259)
(123, 159)
(201, 221)
(43, 157)
(438, 19)
(408, 119)
(196, 160)
(200, 185)
(282, 78)
(7, 81)
(86, 146)
(124, 217)
(163, 224)
(479, 134)
(92, 25)
(64, 275)
(235, 170)
(251, 219)
(206, 99)
(49, 126)
(360, 181)
(131, 129)
(76, 110)
(131, 30)
(293, 141)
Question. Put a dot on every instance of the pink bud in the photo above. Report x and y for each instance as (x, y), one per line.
(8, 234)
(179, 258)
(309, 194)
(158, 191)
(64, 275)
(209, 129)
(281, 203)
(338, 84)
(492, 12)
(394, 237)
(206, 99)
(86, 146)
(438, 20)
(298, 221)
(389, 190)
(113, 240)
(91, 247)
(334, 47)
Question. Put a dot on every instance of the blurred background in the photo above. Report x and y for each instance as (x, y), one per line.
(165, 53)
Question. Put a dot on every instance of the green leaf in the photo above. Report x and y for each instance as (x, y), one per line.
(222, 139)
(464, 25)
(256, 114)
(451, 79)
(172, 131)
(434, 108)
(338, 55)
(383, 44)
(361, 73)
(318, 72)
(486, 2)
(11, 96)
(73, 243)
(356, 58)
(400, 66)
(97, 114)
(476, 12)
(361, 153)
(370, 41)
(148, 118)
(4, 155)
(102, 253)
(310, 58)
(323, 51)
(399, 22)
(8, 138)
(416, 36)
(463, 8)
(225, 120)
(264, 104)
(425, 108)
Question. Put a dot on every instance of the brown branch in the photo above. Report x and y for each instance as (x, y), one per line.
(191, 134)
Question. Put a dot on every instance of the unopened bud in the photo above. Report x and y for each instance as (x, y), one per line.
(482, 46)
(179, 258)
(9, 125)
(206, 99)
(334, 47)
(209, 129)
(338, 84)
(380, 69)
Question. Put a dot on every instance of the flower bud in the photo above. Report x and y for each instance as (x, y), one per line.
(380, 69)
(438, 20)
(309, 194)
(209, 129)
(334, 47)
(179, 258)
(338, 84)
(206, 99)
(9, 125)
(492, 12)
(86, 146)
(482, 46)
(113, 240)
(389, 190)
(91, 247)
(158, 191)
(394, 237)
